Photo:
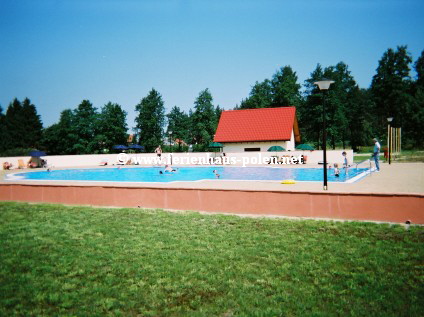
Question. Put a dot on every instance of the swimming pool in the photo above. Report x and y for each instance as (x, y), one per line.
(152, 174)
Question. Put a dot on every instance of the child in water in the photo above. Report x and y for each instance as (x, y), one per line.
(336, 170)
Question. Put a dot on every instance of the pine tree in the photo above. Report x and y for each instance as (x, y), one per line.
(60, 138)
(203, 119)
(111, 127)
(285, 89)
(179, 124)
(33, 124)
(260, 96)
(360, 119)
(85, 124)
(310, 113)
(390, 88)
(338, 101)
(15, 125)
(150, 120)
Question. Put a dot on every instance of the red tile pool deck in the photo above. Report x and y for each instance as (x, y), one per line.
(394, 195)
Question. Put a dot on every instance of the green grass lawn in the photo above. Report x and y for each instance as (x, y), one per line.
(80, 261)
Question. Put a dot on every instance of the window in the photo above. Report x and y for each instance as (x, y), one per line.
(252, 149)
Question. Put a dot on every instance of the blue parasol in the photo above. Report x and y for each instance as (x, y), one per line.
(136, 147)
(37, 153)
(120, 147)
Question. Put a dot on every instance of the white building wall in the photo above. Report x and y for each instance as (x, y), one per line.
(291, 143)
(263, 146)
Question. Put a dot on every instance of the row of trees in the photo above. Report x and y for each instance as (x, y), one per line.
(354, 115)
(86, 130)
(80, 131)
(197, 127)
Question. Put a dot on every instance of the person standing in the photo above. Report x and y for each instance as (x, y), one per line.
(158, 152)
(376, 154)
(345, 162)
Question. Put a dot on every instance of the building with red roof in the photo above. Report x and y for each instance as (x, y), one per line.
(258, 129)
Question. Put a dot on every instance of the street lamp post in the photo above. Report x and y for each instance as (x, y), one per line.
(324, 85)
(389, 138)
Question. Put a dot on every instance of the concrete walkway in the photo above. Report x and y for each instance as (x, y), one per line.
(394, 178)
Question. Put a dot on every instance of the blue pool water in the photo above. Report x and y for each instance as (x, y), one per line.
(151, 174)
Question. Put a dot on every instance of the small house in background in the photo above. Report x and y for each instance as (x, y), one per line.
(258, 129)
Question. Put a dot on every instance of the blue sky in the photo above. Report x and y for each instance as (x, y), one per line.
(58, 53)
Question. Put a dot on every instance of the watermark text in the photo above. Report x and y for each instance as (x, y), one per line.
(244, 161)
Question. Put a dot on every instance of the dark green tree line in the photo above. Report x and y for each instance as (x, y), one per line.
(85, 130)
(397, 95)
(353, 115)
(21, 126)
(348, 109)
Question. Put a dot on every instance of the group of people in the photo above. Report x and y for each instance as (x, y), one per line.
(31, 164)
(345, 165)
(375, 155)
(168, 168)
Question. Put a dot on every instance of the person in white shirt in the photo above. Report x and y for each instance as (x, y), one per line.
(376, 154)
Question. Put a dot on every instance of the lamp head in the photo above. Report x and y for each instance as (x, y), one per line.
(324, 84)
(389, 119)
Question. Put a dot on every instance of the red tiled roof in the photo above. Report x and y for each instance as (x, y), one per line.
(264, 124)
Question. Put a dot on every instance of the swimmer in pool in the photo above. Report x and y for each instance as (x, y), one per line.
(168, 169)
